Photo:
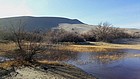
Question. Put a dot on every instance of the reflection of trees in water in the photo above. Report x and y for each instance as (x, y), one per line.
(57, 55)
(107, 57)
(65, 55)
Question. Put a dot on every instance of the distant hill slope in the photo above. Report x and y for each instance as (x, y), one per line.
(37, 22)
(132, 30)
(77, 28)
(84, 28)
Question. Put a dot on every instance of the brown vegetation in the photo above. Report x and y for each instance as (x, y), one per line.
(107, 33)
(27, 43)
(13, 63)
(60, 35)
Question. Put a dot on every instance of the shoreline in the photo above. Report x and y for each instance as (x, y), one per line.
(98, 47)
(56, 70)
(52, 70)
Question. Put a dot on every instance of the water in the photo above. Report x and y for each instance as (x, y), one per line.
(2, 59)
(123, 64)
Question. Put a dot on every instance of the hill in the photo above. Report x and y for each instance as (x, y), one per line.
(77, 28)
(44, 23)
(37, 22)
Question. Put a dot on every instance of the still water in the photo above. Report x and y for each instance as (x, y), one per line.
(122, 64)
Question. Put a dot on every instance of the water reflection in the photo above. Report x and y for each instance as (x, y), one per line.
(104, 65)
(2, 59)
(121, 64)
(111, 65)
(57, 55)
(107, 57)
(98, 58)
(83, 57)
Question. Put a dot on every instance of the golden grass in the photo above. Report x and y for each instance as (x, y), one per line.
(49, 62)
(97, 47)
(19, 63)
(116, 46)
(55, 63)
(100, 47)
(9, 46)
(6, 47)
(9, 64)
(83, 48)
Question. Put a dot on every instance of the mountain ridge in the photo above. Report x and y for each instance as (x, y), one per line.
(46, 23)
(38, 22)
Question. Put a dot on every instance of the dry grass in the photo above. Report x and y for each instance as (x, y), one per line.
(49, 62)
(116, 46)
(84, 48)
(9, 46)
(96, 47)
(15, 63)
(19, 63)
(53, 63)
(99, 47)
(6, 47)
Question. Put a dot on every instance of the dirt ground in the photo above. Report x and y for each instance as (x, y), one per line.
(48, 72)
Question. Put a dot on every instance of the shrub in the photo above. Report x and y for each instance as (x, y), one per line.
(27, 43)
(60, 35)
(106, 32)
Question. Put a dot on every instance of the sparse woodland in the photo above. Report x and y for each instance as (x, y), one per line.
(29, 43)
(104, 32)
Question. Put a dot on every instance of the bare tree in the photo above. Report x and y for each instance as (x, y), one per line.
(106, 32)
(102, 31)
(28, 43)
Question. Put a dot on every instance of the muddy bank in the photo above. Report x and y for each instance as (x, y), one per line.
(45, 72)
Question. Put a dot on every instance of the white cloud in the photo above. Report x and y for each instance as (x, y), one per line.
(14, 9)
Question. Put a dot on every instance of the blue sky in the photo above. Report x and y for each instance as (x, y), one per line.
(121, 13)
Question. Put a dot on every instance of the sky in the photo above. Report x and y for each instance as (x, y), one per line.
(120, 13)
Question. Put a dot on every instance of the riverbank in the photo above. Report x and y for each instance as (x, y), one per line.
(98, 47)
(91, 47)
(51, 70)
(60, 71)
